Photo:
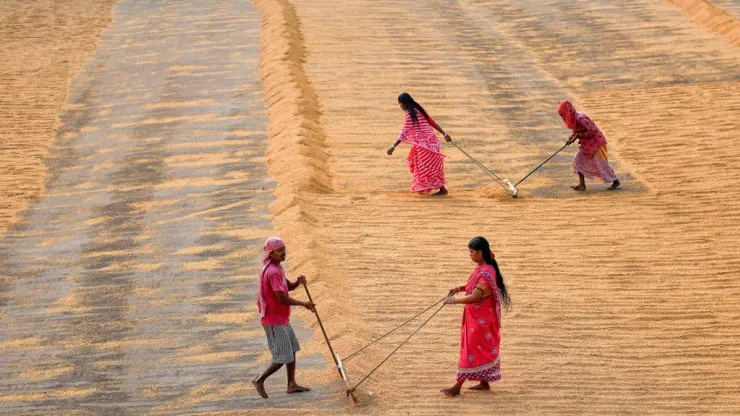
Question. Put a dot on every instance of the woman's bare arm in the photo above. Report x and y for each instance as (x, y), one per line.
(287, 300)
(476, 296)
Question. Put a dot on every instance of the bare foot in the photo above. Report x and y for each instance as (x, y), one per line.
(442, 192)
(451, 392)
(614, 186)
(260, 387)
(297, 389)
(481, 386)
(579, 188)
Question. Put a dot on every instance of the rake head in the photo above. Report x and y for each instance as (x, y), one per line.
(349, 391)
(511, 188)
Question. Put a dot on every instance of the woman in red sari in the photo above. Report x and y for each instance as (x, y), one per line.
(425, 160)
(480, 334)
(591, 159)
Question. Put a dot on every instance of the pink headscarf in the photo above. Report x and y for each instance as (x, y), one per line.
(271, 244)
(568, 113)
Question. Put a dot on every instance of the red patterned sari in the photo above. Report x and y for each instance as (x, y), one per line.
(592, 159)
(480, 332)
(425, 160)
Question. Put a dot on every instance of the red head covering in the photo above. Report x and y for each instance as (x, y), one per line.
(568, 113)
(271, 244)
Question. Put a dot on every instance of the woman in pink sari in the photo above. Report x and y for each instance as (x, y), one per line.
(425, 160)
(591, 160)
(480, 334)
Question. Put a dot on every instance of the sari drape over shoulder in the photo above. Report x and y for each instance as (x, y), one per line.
(425, 159)
(590, 137)
(480, 333)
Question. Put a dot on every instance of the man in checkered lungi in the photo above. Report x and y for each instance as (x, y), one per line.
(274, 304)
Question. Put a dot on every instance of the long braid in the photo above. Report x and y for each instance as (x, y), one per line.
(480, 243)
(412, 107)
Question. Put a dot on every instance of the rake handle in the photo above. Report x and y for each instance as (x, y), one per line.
(487, 171)
(541, 164)
(326, 338)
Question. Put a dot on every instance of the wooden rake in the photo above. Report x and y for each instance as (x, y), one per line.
(337, 360)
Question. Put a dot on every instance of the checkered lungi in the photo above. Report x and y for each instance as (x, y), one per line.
(282, 342)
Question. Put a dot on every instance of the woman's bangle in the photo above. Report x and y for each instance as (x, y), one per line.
(453, 301)
(393, 146)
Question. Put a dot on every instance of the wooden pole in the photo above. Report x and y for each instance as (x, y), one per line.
(326, 338)
(335, 357)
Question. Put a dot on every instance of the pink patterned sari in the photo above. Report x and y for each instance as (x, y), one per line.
(480, 332)
(592, 159)
(425, 160)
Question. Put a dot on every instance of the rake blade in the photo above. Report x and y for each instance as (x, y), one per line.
(350, 393)
(511, 188)
(351, 398)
